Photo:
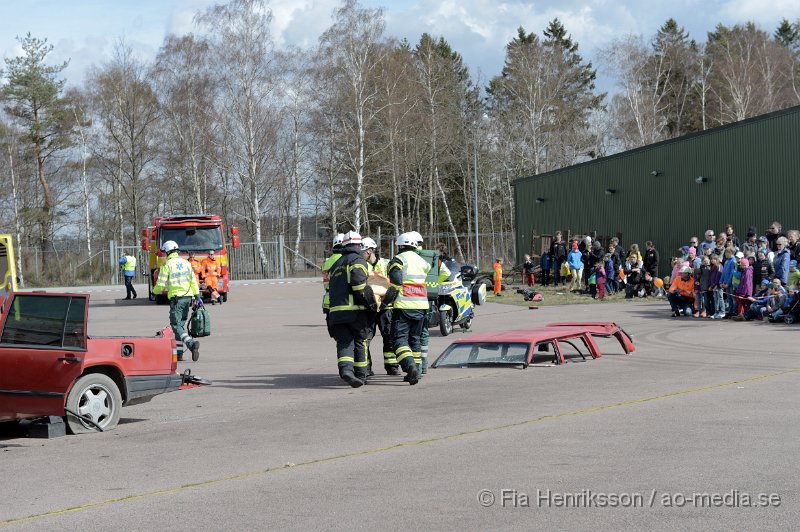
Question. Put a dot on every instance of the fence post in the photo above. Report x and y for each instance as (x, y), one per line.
(281, 258)
(112, 253)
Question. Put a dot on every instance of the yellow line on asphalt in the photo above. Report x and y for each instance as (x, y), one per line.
(412, 443)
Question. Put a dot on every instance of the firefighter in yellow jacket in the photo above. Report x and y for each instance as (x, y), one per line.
(409, 299)
(176, 277)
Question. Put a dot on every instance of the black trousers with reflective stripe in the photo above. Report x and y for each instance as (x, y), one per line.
(406, 331)
(352, 342)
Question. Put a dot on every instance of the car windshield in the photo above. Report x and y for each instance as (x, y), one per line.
(193, 238)
(484, 353)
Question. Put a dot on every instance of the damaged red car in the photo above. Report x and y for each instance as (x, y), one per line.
(50, 366)
(555, 343)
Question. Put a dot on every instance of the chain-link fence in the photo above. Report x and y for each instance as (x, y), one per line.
(312, 253)
(274, 260)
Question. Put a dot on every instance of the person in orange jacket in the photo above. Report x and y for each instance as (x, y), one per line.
(213, 271)
(681, 293)
(197, 267)
(498, 276)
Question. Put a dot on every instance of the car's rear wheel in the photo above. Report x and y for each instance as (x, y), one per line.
(445, 322)
(94, 396)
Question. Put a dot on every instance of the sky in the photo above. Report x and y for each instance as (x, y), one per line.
(86, 31)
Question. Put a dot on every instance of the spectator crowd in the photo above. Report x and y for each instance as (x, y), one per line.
(718, 277)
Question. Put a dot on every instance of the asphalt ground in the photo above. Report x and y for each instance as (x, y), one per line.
(279, 442)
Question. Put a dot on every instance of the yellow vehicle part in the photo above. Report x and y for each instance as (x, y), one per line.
(8, 265)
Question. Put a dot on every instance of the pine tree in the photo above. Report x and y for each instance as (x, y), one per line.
(788, 34)
(33, 94)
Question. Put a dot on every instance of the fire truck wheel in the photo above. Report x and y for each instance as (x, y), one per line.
(95, 396)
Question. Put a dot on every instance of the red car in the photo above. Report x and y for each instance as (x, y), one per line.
(51, 367)
(558, 341)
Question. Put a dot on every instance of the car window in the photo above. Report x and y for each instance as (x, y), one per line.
(484, 353)
(75, 330)
(42, 321)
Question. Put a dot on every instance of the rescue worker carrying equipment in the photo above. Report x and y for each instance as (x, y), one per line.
(128, 265)
(384, 319)
(409, 299)
(326, 268)
(177, 279)
(351, 302)
(212, 271)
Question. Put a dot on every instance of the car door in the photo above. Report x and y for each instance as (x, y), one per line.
(42, 347)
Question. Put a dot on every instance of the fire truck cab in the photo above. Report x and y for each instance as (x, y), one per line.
(195, 233)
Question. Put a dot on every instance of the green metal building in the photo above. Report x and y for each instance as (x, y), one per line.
(746, 174)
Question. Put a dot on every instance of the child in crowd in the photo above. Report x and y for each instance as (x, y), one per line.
(575, 261)
(527, 268)
(714, 286)
(600, 279)
(762, 268)
(611, 271)
(794, 276)
(701, 277)
(546, 263)
(744, 289)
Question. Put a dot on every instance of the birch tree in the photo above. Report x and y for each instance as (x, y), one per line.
(243, 60)
(355, 47)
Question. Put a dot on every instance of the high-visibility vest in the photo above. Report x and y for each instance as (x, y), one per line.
(382, 267)
(413, 294)
(130, 263)
(177, 277)
(326, 269)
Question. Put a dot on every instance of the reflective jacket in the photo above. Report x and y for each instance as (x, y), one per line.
(686, 288)
(128, 263)
(348, 278)
(382, 267)
(407, 273)
(326, 269)
(177, 278)
(212, 273)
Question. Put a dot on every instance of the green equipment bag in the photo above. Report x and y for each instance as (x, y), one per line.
(200, 323)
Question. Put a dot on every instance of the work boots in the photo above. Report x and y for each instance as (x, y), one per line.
(393, 370)
(412, 376)
(195, 350)
(349, 377)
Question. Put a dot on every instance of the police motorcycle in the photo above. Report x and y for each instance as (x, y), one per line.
(453, 300)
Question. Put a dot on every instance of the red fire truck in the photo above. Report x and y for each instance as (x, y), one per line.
(196, 233)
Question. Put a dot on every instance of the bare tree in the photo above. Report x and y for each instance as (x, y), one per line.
(355, 48)
(243, 61)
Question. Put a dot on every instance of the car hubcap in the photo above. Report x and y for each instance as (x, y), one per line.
(96, 404)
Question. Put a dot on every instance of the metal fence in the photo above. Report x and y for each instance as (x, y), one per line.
(73, 267)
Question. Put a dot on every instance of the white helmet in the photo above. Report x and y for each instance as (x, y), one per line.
(417, 237)
(351, 237)
(406, 239)
(169, 245)
(338, 239)
(686, 269)
(368, 243)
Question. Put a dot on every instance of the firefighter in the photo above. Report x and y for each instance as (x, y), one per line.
(351, 301)
(128, 265)
(212, 271)
(384, 318)
(326, 268)
(177, 279)
(409, 299)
